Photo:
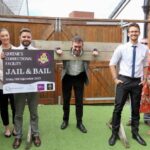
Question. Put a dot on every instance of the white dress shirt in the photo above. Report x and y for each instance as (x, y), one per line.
(30, 47)
(123, 57)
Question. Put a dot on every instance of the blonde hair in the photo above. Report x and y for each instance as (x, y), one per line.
(3, 29)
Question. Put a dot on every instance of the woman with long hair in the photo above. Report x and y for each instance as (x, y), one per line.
(5, 99)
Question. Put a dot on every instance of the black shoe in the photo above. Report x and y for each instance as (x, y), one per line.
(139, 139)
(113, 139)
(64, 125)
(82, 128)
(17, 143)
(7, 134)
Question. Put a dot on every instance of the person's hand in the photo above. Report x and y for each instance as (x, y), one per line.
(1, 75)
(95, 52)
(2, 56)
(59, 51)
(117, 81)
(145, 81)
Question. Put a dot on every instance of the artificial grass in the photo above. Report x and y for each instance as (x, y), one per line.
(94, 119)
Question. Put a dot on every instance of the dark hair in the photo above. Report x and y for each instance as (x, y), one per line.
(77, 39)
(133, 25)
(25, 30)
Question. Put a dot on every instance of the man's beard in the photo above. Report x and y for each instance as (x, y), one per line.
(26, 43)
(77, 53)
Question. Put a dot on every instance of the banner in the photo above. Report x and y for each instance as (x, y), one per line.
(28, 71)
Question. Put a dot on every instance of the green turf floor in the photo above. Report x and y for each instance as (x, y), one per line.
(95, 118)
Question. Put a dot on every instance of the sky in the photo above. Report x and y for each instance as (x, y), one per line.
(101, 8)
(61, 8)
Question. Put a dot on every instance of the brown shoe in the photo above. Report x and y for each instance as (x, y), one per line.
(36, 140)
(17, 143)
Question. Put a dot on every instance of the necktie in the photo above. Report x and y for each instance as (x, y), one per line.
(25, 48)
(133, 61)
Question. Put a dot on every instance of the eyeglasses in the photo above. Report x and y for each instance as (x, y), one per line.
(145, 43)
(133, 31)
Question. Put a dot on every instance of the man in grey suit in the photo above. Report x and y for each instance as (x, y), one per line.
(74, 75)
(22, 98)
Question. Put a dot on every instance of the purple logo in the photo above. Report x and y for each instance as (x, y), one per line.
(40, 87)
(43, 58)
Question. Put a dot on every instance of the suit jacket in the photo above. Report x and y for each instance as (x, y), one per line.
(66, 64)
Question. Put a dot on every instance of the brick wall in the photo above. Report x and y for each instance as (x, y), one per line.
(81, 14)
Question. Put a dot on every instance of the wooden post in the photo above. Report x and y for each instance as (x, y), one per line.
(29, 139)
(121, 134)
(105, 50)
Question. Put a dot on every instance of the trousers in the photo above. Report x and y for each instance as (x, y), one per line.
(130, 86)
(32, 101)
(77, 84)
(4, 103)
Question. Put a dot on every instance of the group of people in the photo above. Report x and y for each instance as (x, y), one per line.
(132, 60)
(18, 100)
(73, 70)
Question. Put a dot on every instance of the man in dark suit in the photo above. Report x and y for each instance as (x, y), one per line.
(74, 75)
